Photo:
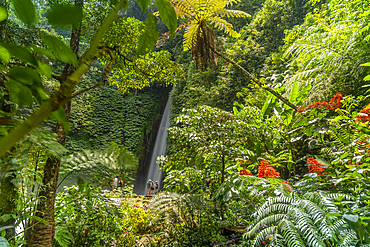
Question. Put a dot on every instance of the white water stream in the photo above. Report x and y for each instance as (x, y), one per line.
(160, 146)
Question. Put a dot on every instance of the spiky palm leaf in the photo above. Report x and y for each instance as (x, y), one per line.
(300, 221)
(198, 36)
(116, 158)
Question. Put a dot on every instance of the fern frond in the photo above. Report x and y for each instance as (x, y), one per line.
(269, 220)
(190, 35)
(290, 234)
(318, 216)
(224, 26)
(274, 208)
(261, 236)
(275, 200)
(336, 196)
(306, 227)
(349, 239)
(232, 13)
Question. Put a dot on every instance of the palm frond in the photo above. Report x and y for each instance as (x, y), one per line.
(232, 13)
(273, 201)
(306, 227)
(262, 235)
(191, 31)
(349, 239)
(269, 220)
(290, 234)
(224, 26)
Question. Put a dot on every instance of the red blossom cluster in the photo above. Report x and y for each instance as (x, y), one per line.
(245, 172)
(363, 118)
(334, 103)
(314, 166)
(267, 171)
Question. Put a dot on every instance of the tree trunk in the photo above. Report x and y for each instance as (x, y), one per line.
(65, 91)
(8, 197)
(42, 234)
(255, 80)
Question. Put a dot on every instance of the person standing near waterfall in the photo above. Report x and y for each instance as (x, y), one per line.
(156, 187)
(114, 182)
(148, 185)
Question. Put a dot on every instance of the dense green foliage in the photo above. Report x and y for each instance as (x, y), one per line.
(237, 156)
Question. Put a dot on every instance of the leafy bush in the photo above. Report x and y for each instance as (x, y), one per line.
(184, 220)
(312, 220)
(86, 218)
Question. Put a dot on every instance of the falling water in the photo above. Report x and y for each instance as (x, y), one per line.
(159, 149)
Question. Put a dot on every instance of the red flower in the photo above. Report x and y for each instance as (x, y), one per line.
(245, 172)
(334, 103)
(267, 171)
(364, 118)
(314, 166)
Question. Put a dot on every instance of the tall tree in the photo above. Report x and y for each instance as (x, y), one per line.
(43, 234)
(200, 38)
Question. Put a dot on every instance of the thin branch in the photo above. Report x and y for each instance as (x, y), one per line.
(86, 89)
(255, 80)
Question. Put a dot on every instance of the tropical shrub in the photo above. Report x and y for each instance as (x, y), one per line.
(315, 219)
(185, 220)
(87, 218)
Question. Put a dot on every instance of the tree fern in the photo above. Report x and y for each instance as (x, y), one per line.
(300, 221)
(349, 239)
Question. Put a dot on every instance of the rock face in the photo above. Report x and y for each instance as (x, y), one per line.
(147, 152)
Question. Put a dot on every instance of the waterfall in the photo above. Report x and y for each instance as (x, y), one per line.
(160, 146)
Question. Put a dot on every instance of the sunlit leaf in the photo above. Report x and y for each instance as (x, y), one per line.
(3, 13)
(43, 51)
(45, 70)
(25, 10)
(4, 55)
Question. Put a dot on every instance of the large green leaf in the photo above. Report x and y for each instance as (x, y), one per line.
(302, 93)
(64, 15)
(269, 104)
(4, 55)
(294, 92)
(20, 93)
(63, 52)
(25, 10)
(3, 242)
(3, 13)
(149, 37)
(45, 70)
(60, 116)
(21, 53)
(25, 76)
(43, 51)
(143, 4)
(168, 15)
(352, 221)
